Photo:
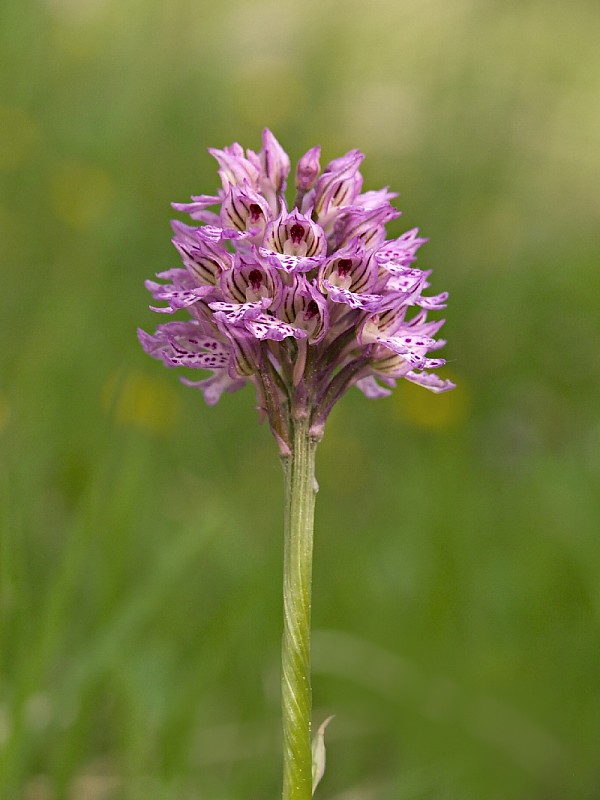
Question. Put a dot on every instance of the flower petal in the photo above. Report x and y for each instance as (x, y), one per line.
(213, 387)
(433, 303)
(288, 263)
(372, 389)
(365, 302)
(430, 381)
(266, 327)
(235, 313)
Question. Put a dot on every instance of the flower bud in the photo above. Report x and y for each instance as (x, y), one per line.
(275, 161)
(308, 169)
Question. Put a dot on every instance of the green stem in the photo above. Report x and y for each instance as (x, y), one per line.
(296, 694)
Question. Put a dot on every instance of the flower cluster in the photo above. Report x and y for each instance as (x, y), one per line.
(303, 303)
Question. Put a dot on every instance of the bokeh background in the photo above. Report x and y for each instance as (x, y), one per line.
(457, 574)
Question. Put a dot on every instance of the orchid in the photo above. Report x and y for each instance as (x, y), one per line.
(303, 303)
(261, 279)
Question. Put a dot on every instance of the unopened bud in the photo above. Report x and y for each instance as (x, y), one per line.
(308, 169)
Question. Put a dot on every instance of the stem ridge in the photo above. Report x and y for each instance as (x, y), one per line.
(296, 693)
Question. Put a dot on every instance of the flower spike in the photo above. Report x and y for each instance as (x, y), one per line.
(304, 303)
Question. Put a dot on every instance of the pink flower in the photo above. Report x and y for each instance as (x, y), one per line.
(305, 303)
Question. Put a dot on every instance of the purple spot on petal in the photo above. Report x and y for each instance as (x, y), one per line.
(344, 265)
(296, 233)
(312, 310)
(255, 279)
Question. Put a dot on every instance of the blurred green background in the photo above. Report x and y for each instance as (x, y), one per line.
(457, 574)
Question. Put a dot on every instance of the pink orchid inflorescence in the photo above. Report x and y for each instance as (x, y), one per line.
(303, 303)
